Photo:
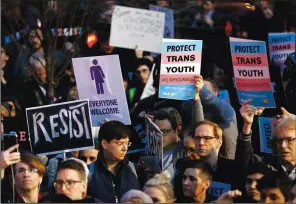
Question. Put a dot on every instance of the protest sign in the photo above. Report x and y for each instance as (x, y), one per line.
(266, 127)
(217, 189)
(280, 46)
(169, 20)
(250, 66)
(149, 89)
(180, 62)
(154, 140)
(131, 27)
(99, 79)
(58, 128)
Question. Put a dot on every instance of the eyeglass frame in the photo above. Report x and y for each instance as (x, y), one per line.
(122, 143)
(165, 132)
(287, 140)
(23, 170)
(206, 139)
(60, 183)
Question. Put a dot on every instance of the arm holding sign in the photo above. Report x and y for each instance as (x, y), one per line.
(197, 107)
(244, 150)
(223, 114)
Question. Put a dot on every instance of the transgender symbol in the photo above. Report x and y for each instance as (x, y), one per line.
(97, 74)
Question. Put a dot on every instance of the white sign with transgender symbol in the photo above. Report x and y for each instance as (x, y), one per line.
(99, 79)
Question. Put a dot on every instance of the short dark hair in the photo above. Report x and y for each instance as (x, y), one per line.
(113, 130)
(171, 114)
(33, 161)
(205, 169)
(74, 165)
(276, 179)
(143, 61)
(257, 168)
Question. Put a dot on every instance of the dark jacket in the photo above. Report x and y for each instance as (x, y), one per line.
(213, 108)
(245, 155)
(226, 172)
(108, 188)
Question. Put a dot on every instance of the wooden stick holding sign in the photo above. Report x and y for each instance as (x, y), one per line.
(60, 128)
(154, 141)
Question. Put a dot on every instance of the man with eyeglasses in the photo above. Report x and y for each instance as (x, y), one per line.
(283, 140)
(113, 174)
(208, 141)
(71, 180)
(27, 178)
(169, 122)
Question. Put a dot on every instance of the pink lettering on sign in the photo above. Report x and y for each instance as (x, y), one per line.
(23, 136)
(176, 79)
(253, 84)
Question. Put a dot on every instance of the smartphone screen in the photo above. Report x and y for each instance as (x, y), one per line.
(9, 140)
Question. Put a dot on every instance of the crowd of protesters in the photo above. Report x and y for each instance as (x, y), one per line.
(205, 139)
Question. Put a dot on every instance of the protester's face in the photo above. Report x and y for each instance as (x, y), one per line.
(26, 177)
(116, 150)
(162, 3)
(41, 73)
(107, 48)
(156, 195)
(69, 183)
(219, 76)
(251, 186)
(189, 147)
(193, 184)
(263, 4)
(210, 86)
(205, 141)
(142, 73)
(286, 145)
(4, 58)
(169, 136)
(35, 39)
(272, 195)
(88, 155)
(208, 5)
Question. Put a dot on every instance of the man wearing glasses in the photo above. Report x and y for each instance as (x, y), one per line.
(113, 174)
(27, 178)
(283, 139)
(71, 180)
(169, 122)
(208, 141)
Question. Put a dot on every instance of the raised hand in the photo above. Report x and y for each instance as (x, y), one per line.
(247, 112)
(227, 197)
(198, 83)
(8, 157)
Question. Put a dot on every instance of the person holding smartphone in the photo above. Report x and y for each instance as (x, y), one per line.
(9, 157)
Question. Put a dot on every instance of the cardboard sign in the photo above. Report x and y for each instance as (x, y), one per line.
(149, 89)
(217, 189)
(154, 140)
(99, 79)
(180, 62)
(58, 128)
(251, 72)
(266, 127)
(280, 46)
(169, 20)
(131, 27)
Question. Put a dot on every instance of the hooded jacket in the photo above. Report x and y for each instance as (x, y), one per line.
(107, 187)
